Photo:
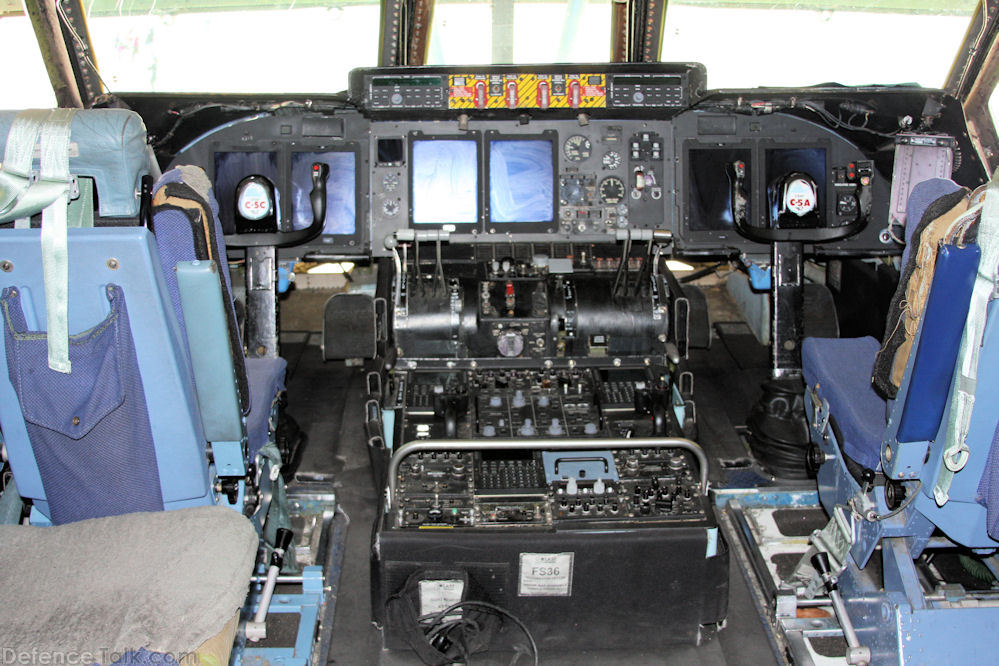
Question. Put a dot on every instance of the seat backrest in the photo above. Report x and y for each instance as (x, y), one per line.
(933, 206)
(928, 383)
(186, 223)
(961, 498)
(122, 430)
(237, 396)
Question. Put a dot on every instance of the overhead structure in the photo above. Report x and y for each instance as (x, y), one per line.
(637, 30)
(58, 62)
(61, 29)
(73, 25)
(405, 32)
(974, 75)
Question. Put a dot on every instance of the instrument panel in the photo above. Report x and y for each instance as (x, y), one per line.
(578, 154)
(543, 178)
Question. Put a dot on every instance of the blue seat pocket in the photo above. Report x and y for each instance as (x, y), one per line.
(70, 404)
(89, 429)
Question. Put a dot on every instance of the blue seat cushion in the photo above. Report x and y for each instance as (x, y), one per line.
(266, 378)
(841, 369)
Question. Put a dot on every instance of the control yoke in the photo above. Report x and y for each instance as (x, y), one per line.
(797, 215)
(317, 197)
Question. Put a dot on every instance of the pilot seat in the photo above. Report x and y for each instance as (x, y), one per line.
(140, 441)
(905, 439)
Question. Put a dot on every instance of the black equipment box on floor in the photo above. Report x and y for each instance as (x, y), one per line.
(627, 585)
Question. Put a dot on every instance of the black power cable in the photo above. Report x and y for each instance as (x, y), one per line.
(432, 630)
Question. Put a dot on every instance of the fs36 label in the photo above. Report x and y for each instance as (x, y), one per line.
(545, 574)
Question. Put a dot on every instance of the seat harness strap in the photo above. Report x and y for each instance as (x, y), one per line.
(956, 452)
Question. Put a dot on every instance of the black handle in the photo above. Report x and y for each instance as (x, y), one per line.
(320, 172)
(146, 202)
(820, 561)
(867, 478)
(282, 539)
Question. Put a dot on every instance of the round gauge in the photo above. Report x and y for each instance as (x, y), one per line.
(510, 344)
(390, 181)
(611, 160)
(577, 148)
(611, 190)
(253, 199)
(390, 207)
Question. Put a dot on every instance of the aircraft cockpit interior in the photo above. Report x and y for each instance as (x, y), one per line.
(448, 353)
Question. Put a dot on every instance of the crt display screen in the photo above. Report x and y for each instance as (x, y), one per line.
(521, 180)
(445, 181)
(390, 151)
(341, 188)
(709, 193)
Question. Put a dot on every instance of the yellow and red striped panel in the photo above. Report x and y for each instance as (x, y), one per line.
(496, 87)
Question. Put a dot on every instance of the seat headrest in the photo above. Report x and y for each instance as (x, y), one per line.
(108, 145)
(921, 197)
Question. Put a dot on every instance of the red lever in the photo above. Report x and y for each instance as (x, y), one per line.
(511, 299)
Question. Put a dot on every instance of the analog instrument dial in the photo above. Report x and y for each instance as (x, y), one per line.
(611, 190)
(577, 148)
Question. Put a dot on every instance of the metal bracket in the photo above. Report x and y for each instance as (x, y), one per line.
(836, 539)
(820, 412)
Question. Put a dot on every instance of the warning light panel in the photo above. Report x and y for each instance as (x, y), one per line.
(527, 91)
(512, 88)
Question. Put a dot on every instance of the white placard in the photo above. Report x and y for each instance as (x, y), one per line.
(799, 198)
(545, 574)
(436, 595)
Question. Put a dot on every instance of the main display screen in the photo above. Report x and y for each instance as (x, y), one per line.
(445, 181)
(521, 180)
